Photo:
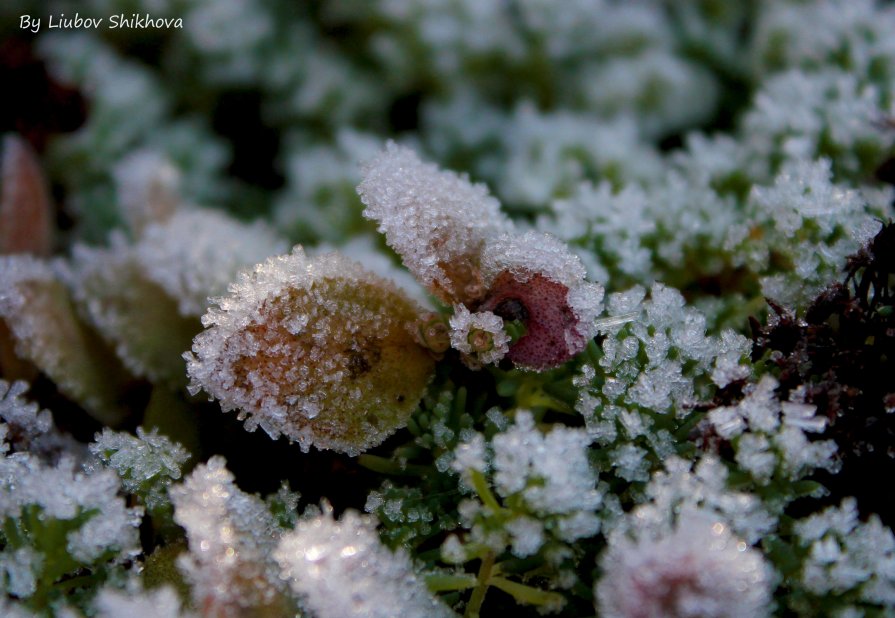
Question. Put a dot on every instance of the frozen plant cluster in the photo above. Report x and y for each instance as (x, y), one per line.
(482, 268)
(655, 363)
(698, 568)
(340, 568)
(847, 555)
(231, 536)
(771, 437)
(147, 464)
(545, 483)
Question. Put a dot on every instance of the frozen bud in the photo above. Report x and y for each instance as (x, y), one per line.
(437, 221)
(534, 279)
(321, 351)
(341, 570)
(480, 337)
(697, 569)
(433, 333)
(558, 321)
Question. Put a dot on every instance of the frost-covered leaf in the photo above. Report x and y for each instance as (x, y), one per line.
(134, 315)
(318, 350)
(38, 311)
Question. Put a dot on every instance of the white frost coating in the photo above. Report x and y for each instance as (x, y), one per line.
(434, 219)
(363, 249)
(231, 535)
(341, 570)
(16, 270)
(134, 603)
(479, 336)
(804, 191)
(195, 253)
(551, 471)
(334, 338)
(656, 359)
(697, 568)
(64, 493)
(531, 252)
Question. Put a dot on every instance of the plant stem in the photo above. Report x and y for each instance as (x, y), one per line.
(481, 586)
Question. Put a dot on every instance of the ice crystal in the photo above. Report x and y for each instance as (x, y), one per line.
(195, 253)
(436, 220)
(652, 367)
(317, 349)
(526, 254)
(341, 570)
(480, 336)
(795, 109)
(696, 568)
(231, 535)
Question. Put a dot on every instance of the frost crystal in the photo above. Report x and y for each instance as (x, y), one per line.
(436, 220)
(341, 570)
(697, 568)
(231, 535)
(195, 253)
(318, 350)
(480, 336)
(683, 486)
